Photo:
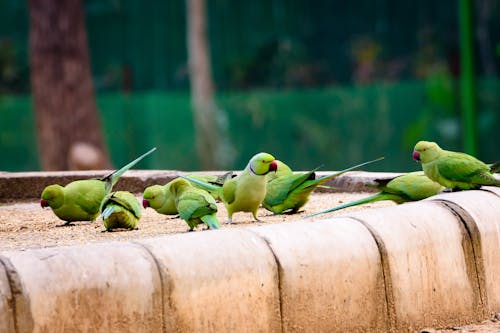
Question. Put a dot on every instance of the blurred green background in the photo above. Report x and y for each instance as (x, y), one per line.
(329, 83)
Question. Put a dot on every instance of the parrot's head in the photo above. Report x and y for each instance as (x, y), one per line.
(281, 170)
(426, 151)
(52, 196)
(153, 196)
(262, 163)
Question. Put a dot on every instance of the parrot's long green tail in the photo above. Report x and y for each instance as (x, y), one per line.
(372, 198)
(336, 174)
(204, 185)
(211, 221)
(114, 176)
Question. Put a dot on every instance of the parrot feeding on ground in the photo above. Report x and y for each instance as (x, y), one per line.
(162, 200)
(412, 186)
(290, 191)
(81, 200)
(194, 205)
(245, 192)
(454, 170)
(120, 210)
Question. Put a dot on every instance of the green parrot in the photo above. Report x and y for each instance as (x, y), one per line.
(81, 200)
(453, 170)
(245, 192)
(120, 210)
(290, 191)
(412, 186)
(161, 199)
(194, 205)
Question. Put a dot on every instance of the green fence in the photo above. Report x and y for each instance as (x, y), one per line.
(333, 127)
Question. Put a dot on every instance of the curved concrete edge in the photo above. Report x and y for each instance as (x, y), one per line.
(110, 287)
(329, 273)
(398, 269)
(7, 323)
(428, 264)
(481, 217)
(29, 185)
(217, 281)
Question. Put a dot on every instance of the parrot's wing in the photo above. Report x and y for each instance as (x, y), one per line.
(128, 201)
(186, 207)
(229, 189)
(461, 167)
(279, 188)
(495, 167)
(87, 194)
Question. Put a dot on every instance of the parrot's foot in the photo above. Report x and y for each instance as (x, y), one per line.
(230, 221)
(189, 230)
(66, 224)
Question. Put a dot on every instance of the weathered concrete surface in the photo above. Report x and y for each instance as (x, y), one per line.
(111, 287)
(6, 303)
(428, 265)
(217, 281)
(330, 273)
(480, 211)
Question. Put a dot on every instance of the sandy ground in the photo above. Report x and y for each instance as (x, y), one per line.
(25, 225)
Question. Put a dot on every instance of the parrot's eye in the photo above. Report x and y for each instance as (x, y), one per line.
(424, 149)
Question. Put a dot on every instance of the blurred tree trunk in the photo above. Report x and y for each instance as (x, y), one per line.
(212, 145)
(62, 88)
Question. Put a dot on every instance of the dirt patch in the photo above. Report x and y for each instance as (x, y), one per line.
(25, 225)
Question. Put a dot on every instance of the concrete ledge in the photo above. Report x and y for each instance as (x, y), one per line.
(329, 273)
(217, 281)
(481, 217)
(428, 265)
(29, 185)
(111, 287)
(398, 269)
(6, 303)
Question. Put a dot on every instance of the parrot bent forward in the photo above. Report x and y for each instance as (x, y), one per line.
(412, 186)
(194, 205)
(120, 210)
(162, 200)
(81, 200)
(454, 170)
(245, 192)
(290, 191)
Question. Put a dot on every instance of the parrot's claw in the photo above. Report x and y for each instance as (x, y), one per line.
(230, 221)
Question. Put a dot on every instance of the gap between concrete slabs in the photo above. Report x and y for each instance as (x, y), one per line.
(480, 211)
(429, 271)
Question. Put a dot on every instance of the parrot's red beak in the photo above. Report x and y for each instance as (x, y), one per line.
(416, 156)
(273, 166)
(145, 203)
(44, 203)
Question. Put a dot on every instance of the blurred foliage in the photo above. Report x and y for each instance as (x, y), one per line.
(330, 83)
(333, 127)
(140, 45)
